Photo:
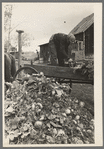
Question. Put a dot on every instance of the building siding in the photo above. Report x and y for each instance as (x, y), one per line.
(44, 52)
(89, 41)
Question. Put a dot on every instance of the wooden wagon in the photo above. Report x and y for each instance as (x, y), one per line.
(62, 74)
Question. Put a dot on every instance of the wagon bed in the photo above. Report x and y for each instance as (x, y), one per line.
(63, 74)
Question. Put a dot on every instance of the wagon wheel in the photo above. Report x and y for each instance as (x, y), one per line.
(23, 72)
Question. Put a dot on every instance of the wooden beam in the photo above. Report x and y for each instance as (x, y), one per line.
(19, 49)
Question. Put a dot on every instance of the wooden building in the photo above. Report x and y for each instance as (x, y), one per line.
(44, 52)
(84, 31)
(84, 48)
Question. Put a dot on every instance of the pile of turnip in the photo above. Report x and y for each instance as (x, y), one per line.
(38, 110)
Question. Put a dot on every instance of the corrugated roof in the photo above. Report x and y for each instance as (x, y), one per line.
(83, 25)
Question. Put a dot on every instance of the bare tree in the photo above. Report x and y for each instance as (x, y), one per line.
(26, 39)
(7, 25)
(9, 38)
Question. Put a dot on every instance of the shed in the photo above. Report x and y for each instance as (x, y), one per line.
(44, 52)
(84, 31)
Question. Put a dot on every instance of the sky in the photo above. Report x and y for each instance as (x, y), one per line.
(42, 20)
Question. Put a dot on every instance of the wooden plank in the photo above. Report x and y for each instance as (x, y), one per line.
(77, 81)
(58, 72)
(84, 42)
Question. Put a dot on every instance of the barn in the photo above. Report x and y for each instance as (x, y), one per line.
(84, 31)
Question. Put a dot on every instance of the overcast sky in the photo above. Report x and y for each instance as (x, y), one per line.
(41, 20)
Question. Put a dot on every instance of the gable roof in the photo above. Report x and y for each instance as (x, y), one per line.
(43, 44)
(83, 25)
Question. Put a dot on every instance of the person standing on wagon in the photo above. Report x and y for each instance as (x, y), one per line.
(58, 47)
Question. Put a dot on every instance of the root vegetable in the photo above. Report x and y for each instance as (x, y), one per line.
(67, 111)
(38, 124)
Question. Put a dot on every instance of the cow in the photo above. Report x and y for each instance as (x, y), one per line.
(9, 67)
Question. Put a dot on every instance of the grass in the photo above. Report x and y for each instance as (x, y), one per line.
(85, 93)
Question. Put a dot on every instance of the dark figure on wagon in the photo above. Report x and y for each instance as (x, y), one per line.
(9, 67)
(58, 46)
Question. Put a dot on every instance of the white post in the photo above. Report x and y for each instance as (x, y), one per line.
(19, 49)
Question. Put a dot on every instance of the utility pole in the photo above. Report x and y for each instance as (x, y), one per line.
(19, 48)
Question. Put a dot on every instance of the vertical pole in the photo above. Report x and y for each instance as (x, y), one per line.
(19, 49)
